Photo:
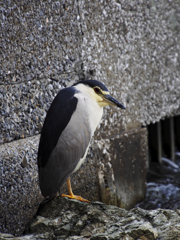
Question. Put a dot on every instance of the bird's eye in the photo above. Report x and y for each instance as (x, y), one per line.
(96, 90)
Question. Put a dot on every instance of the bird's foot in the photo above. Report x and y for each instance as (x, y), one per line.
(75, 197)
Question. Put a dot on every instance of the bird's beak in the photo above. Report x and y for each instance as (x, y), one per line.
(112, 101)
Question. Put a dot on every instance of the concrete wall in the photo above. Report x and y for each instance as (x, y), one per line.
(132, 46)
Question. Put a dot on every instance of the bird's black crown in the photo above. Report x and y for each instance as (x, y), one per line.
(93, 83)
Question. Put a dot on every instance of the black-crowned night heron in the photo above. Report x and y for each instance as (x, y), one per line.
(68, 128)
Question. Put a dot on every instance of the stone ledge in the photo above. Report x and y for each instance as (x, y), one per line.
(62, 218)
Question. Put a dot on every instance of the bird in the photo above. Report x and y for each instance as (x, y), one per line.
(68, 127)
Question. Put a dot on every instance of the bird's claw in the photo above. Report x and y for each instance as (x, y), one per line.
(75, 197)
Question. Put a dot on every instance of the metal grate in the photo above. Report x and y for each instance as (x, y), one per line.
(164, 140)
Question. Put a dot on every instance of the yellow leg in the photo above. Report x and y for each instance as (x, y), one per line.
(71, 195)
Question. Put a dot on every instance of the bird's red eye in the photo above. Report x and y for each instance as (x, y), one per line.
(96, 90)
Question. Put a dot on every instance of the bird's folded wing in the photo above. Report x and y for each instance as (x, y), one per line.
(64, 140)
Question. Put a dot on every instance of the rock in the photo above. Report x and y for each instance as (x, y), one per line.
(63, 218)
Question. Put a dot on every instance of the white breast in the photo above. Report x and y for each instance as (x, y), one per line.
(89, 105)
(92, 113)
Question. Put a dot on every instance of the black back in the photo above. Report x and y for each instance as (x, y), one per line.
(57, 118)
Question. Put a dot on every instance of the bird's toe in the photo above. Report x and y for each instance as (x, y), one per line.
(75, 197)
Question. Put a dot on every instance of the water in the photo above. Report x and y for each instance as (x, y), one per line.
(163, 185)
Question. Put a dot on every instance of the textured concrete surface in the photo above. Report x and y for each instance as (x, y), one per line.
(133, 47)
(122, 169)
(40, 44)
(19, 189)
(136, 53)
(38, 39)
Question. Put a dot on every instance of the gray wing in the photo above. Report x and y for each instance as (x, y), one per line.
(69, 149)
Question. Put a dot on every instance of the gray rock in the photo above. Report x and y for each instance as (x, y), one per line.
(63, 218)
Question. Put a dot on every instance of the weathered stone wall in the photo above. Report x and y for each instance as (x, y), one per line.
(132, 46)
(40, 44)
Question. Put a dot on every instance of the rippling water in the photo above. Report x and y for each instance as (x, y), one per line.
(163, 185)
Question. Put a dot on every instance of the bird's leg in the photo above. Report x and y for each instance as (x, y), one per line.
(71, 195)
